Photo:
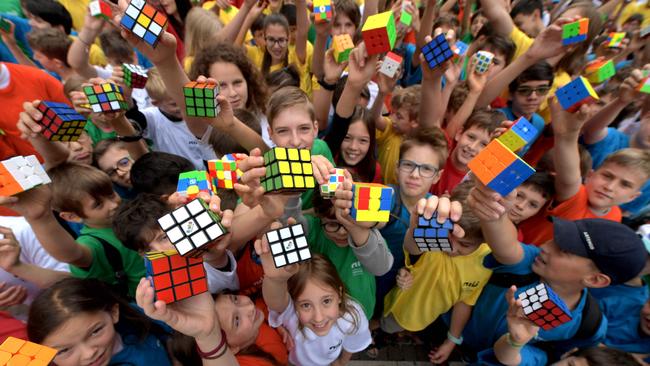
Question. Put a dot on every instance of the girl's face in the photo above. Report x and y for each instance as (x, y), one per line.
(342, 25)
(232, 83)
(169, 6)
(318, 307)
(81, 151)
(277, 41)
(117, 163)
(417, 182)
(356, 143)
(293, 128)
(87, 339)
(240, 319)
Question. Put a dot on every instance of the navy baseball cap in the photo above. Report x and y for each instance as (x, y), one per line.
(616, 249)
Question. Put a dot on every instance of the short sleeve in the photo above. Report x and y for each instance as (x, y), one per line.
(521, 40)
(523, 267)
(572, 208)
(361, 338)
(287, 318)
(382, 136)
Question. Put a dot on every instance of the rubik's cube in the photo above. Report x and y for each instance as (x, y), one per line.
(391, 64)
(379, 33)
(99, 8)
(224, 173)
(430, 235)
(18, 352)
(371, 202)
(328, 189)
(135, 76)
(174, 277)
(193, 182)
(322, 11)
(4, 25)
(575, 32)
(499, 168)
(544, 307)
(598, 71)
(575, 94)
(483, 61)
(519, 135)
(405, 17)
(615, 39)
(20, 173)
(644, 85)
(107, 97)
(437, 51)
(459, 49)
(201, 99)
(192, 228)
(342, 45)
(60, 122)
(144, 21)
(288, 245)
(288, 170)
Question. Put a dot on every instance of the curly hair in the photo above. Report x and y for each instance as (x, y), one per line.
(224, 52)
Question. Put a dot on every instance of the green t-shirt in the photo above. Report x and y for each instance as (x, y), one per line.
(318, 148)
(359, 282)
(11, 7)
(100, 268)
(97, 134)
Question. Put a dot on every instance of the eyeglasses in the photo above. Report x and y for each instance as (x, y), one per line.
(425, 170)
(528, 91)
(123, 165)
(279, 41)
(331, 226)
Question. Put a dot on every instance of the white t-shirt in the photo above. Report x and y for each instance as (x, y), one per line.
(175, 138)
(218, 280)
(313, 350)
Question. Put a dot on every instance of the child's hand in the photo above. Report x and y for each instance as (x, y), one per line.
(250, 190)
(331, 69)
(487, 204)
(12, 295)
(477, 81)
(563, 122)
(80, 102)
(9, 37)
(427, 207)
(33, 204)
(264, 252)
(361, 67)
(321, 167)
(628, 89)
(404, 279)
(27, 121)
(441, 354)
(287, 339)
(521, 329)
(105, 116)
(387, 84)
(343, 204)
(548, 43)
(9, 249)
(437, 72)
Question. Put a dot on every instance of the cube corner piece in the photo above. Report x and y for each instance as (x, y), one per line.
(174, 277)
(288, 245)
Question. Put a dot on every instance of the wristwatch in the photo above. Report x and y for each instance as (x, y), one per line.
(133, 138)
(325, 85)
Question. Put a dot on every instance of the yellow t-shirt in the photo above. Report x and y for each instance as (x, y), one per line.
(256, 55)
(226, 16)
(77, 10)
(632, 8)
(440, 282)
(388, 143)
(95, 54)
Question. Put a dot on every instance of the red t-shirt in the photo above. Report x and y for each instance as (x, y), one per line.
(451, 176)
(249, 272)
(10, 327)
(270, 341)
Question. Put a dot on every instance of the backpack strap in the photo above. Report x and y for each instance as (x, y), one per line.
(115, 261)
(592, 317)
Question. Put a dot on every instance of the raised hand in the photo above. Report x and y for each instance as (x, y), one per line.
(264, 252)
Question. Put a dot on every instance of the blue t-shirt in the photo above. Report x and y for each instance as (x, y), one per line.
(412, 75)
(21, 29)
(136, 352)
(536, 120)
(614, 141)
(622, 305)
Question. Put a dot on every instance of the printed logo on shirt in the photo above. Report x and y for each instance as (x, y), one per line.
(357, 268)
(473, 284)
(334, 348)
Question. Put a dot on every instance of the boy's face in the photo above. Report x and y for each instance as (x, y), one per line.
(529, 96)
(168, 106)
(612, 185)
(258, 36)
(47, 63)
(158, 241)
(402, 122)
(415, 182)
(99, 212)
(81, 151)
(342, 25)
(644, 319)
(468, 144)
(527, 203)
(477, 24)
(293, 128)
(334, 231)
(558, 266)
(531, 24)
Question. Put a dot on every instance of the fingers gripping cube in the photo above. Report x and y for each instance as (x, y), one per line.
(174, 277)
(18, 352)
(544, 307)
(201, 99)
(371, 202)
(576, 93)
(144, 21)
(288, 245)
(20, 173)
(430, 235)
(106, 97)
(135, 76)
(192, 228)
(483, 61)
(328, 189)
(499, 168)
(60, 122)
(391, 64)
(437, 51)
(288, 170)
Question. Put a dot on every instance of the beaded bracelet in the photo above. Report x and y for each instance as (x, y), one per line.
(219, 351)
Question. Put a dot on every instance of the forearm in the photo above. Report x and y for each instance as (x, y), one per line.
(498, 16)
(458, 120)
(246, 225)
(41, 277)
(124, 128)
(501, 236)
(276, 294)
(370, 7)
(302, 27)
(212, 341)
(375, 111)
(500, 81)
(241, 32)
(243, 134)
(58, 242)
(20, 56)
(431, 109)
(231, 32)
(78, 54)
(566, 159)
(595, 129)
(460, 314)
(54, 153)
(505, 353)
(447, 6)
(322, 103)
(349, 99)
(372, 253)
(318, 58)
(426, 24)
(343, 359)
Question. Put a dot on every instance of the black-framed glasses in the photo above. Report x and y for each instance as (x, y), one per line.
(331, 226)
(528, 91)
(122, 165)
(425, 170)
(279, 41)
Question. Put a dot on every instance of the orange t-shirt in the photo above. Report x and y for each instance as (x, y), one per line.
(539, 229)
(249, 272)
(270, 342)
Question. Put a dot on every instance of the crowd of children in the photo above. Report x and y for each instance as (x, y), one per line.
(76, 253)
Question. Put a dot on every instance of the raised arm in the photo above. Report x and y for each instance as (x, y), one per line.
(302, 27)
(498, 15)
(9, 39)
(79, 52)
(230, 32)
(245, 26)
(323, 31)
(431, 108)
(274, 286)
(476, 83)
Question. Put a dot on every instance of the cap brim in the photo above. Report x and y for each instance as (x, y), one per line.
(567, 236)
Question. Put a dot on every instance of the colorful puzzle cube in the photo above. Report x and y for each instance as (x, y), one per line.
(288, 170)
(483, 61)
(328, 189)
(192, 182)
(135, 76)
(391, 64)
(288, 245)
(18, 352)
(575, 94)
(322, 11)
(437, 51)
(519, 135)
(106, 97)
(99, 8)
(201, 99)
(644, 85)
(21, 173)
(405, 17)
(575, 32)
(342, 45)
(459, 49)
(174, 277)
(544, 307)
(60, 122)
(379, 33)
(144, 21)
(223, 173)
(5, 26)
(499, 168)
(430, 235)
(371, 202)
(615, 39)
(192, 228)
(598, 71)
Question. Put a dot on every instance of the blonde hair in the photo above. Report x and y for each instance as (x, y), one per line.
(285, 98)
(636, 159)
(408, 98)
(155, 86)
(201, 27)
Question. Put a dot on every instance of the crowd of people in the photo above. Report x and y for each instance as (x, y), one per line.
(72, 274)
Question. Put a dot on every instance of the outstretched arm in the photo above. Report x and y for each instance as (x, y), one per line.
(79, 52)
(53, 152)
(498, 15)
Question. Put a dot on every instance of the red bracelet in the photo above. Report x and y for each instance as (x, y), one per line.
(219, 351)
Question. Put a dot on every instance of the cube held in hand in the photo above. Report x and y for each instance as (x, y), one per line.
(391, 64)
(519, 135)
(322, 11)
(342, 45)
(576, 93)
(174, 277)
(18, 352)
(615, 39)
(379, 33)
(499, 168)
(60, 122)
(483, 61)
(288, 245)
(100, 9)
(328, 189)
(575, 32)
(20, 173)
(195, 181)
(599, 71)
(288, 170)
(224, 173)
(144, 21)
(371, 202)
(106, 97)
(201, 99)
(437, 51)
(544, 307)
(135, 76)
(430, 235)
